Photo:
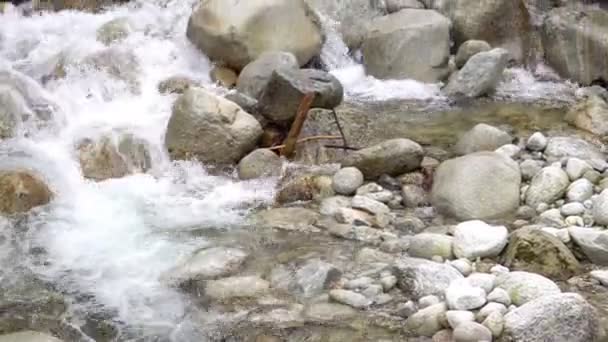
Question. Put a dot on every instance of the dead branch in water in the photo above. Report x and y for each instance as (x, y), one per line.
(296, 127)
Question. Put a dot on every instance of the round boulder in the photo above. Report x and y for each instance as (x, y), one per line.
(210, 128)
(481, 185)
(237, 32)
(21, 191)
(260, 163)
(347, 180)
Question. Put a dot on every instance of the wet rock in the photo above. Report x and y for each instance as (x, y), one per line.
(445, 335)
(482, 137)
(238, 33)
(460, 295)
(499, 295)
(524, 287)
(535, 251)
(210, 263)
(287, 88)
(223, 76)
(82, 5)
(210, 128)
(21, 191)
(298, 219)
(559, 317)
(473, 239)
(593, 242)
(457, 317)
(236, 287)
(468, 49)
(250, 105)
(579, 191)
(347, 181)
(388, 282)
(578, 26)
(331, 206)
(329, 312)
(537, 142)
(479, 76)
(549, 185)
(392, 157)
(114, 31)
(495, 322)
(472, 332)
(28, 336)
(428, 245)
(394, 43)
(427, 321)
(419, 277)
(101, 160)
(260, 163)
(305, 188)
(136, 152)
(459, 184)
(350, 298)
(118, 63)
(278, 318)
(560, 147)
(358, 283)
(176, 85)
(600, 208)
(254, 77)
(316, 276)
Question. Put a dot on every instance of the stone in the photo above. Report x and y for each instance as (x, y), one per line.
(444, 335)
(552, 218)
(237, 33)
(388, 282)
(209, 263)
(592, 176)
(28, 336)
(499, 295)
(460, 295)
(393, 6)
(297, 219)
(600, 208)
(286, 89)
(329, 312)
(479, 76)
(406, 309)
(601, 276)
(593, 242)
(254, 77)
(549, 185)
(457, 317)
(562, 234)
(472, 332)
(427, 245)
(119, 63)
(331, 206)
(490, 308)
(101, 160)
(81, 5)
(524, 286)
(113, 31)
(581, 26)
(509, 150)
(495, 322)
(579, 191)
(536, 251)
(304, 188)
(476, 239)
(315, 276)
(484, 280)
(236, 287)
(350, 298)
(358, 283)
(260, 163)
(369, 205)
(409, 44)
(427, 321)
(354, 217)
(427, 301)
(459, 184)
(210, 128)
(576, 168)
(414, 196)
(572, 209)
(537, 142)
(559, 317)
(463, 266)
(571, 147)
(392, 157)
(468, 49)
(176, 85)
(223, 76)
(21, 191)
(590, 114)
(482, 137)
(419, 277)
(529, 168)
(347, 180)
(250, 105)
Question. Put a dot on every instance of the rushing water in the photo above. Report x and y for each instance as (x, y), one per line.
(113, 240)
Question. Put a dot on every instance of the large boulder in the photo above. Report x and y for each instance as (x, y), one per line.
(480, 75)
(460, 183)
(21, 191)
(572, 147)
(560, 317)
(210, 128)
(392, 157)
(254, 77)
(419, 277)
(501, 23)
(547, 186)
(574, 43)
(286, 89)
(536, 251)
(482, 137)
(237, 32)
(411, 43)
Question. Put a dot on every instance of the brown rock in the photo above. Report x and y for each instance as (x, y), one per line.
(21, 191)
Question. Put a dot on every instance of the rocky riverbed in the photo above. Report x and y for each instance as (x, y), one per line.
(458, 192)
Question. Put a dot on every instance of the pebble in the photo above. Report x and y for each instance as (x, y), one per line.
(529, 168)
(472, 332)
(358, 283)
(575, 221)
(552, 218)
(536, 142)
(383, 298)
(370, 205)
(579, 191)
(463, 266)
(473, 239)
(406, 309)
(484, 280)
(372, 291)
(427, 301)
(427, 321)
(499, 269)
(457, 317)
(499, 295)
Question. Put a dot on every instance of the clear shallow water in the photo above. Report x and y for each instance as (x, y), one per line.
(113, 240)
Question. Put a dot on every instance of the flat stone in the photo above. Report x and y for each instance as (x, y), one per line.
(330, 206)
(210, 263)
(495, 322)
(236, 287)
(350, 298)
(315, 276)
(329, 312)
(572, 209)
(299, 219)
(576, 168)
(369, 205)
(559, 147)
(28, 336)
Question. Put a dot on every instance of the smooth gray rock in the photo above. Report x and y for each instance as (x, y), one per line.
(260, 163)
(579, 191)
(298, 219)
(486, 281)
(499, 295)
(576, 168)
(468, 49)
(482, 137)
(490, 308)
(347, 180)
(427, 301)
(460, 295)
(459, 184)
(393, 157)
(572, 209)
(254, 77)
(480, 75)
(315, 276)
(457, 317)
(547, 186)
(524, 287)
(28, 336)
(601, 276)
(473, 239)
(537, 142)
(495, 322)
(472, 332)
(427, 321)
(559, 317)
(114, 31)
(593, 242)
(369, 205)
(329, 312)
(331, 206)
(529, 168)
(560, 147)
(236, 287)
(428, 245)
(393, 6)
(600, 208)
(419, 277)
(210, 263)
